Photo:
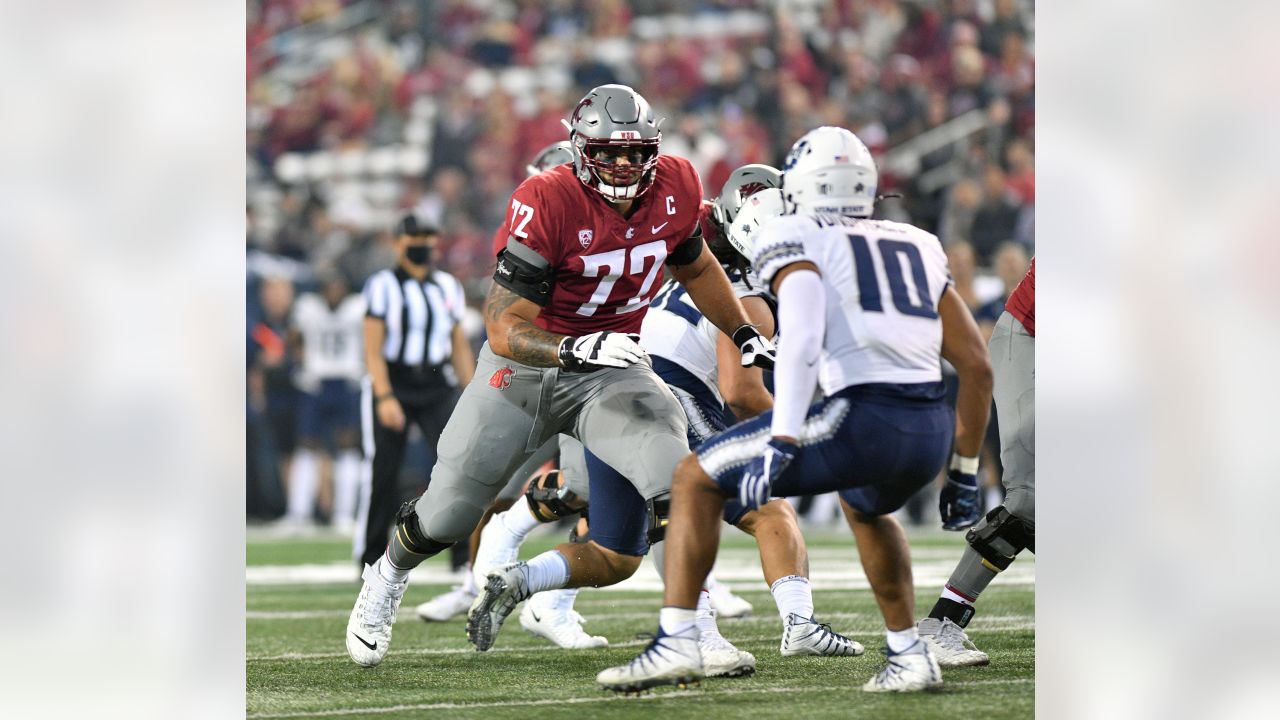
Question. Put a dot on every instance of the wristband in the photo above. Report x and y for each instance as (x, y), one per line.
(968, 466)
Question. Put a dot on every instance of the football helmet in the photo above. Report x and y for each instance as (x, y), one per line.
(742, 184)
(550, 156)
(830, 172)
(613, 124)
(755, 211)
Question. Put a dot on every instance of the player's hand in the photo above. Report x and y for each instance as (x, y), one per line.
(390, 414)
(958, 501)
(601, 349)
(756, 349)
(757, 479)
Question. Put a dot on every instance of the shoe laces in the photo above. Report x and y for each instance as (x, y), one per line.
(953, 637)
(380, 604)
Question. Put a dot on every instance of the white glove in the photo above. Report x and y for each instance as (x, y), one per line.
(601, 349)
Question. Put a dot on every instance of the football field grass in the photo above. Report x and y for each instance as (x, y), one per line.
(300, 592)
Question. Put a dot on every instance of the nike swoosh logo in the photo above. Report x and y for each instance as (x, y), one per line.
(371, 646)
(653, 229)
(535, 616)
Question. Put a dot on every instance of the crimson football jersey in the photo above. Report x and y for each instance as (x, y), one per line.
(607, 267)
(1022, 301)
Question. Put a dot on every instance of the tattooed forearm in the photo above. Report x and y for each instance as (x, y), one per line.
(512, 334)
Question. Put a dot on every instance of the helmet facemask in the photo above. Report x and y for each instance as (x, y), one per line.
(602, 165)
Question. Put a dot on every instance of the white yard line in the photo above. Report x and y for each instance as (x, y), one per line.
(584, 700)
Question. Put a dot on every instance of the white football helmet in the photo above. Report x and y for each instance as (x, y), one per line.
(755, 211)
(830, 172)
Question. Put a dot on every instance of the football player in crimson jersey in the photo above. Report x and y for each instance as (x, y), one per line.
(585, 256)
(1010, 527)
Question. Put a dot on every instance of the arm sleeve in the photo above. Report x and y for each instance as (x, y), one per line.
(802, 302)
(375, 296)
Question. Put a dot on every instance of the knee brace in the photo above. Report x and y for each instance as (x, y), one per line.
(410, 531)
(1001, 538)
(659, 515)
(549, 500)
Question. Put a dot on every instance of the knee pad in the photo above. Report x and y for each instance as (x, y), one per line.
(410, 531)
(549, 500)
(1001, 537)
(659, 515)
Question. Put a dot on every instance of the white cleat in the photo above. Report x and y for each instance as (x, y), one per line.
(446, 606)
(503, 590)
(911, 670)
(950, 645)
(807, 636)
(726, 604)
(551, 615)
(668, 660)
(721, 659)
(498, 549)
(369, 628)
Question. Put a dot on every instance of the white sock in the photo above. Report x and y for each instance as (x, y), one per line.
(950, 595)
(793, 595)
(346, 487)
(705, 617)
(678, 622)
(994, 497)
(711, 581)
(304, 476)
(518, 520)
(390, 572)
(548, 571)
(468, 580)
(900, 640)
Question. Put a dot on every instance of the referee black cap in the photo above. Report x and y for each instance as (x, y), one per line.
(413, 226)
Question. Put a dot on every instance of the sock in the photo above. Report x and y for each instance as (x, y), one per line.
(468, 580)
(957, 608)
(389, 571)
(994, 496)
(678, 622)
(705, 617)
(304, 476)
(711, 581)
(793, 595)
(346, 487)
(548, 571)
(900, 640)
(518, 520)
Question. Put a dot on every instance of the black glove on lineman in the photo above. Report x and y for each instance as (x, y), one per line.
(756, 348)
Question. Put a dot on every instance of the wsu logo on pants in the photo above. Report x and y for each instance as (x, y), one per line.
(501, 379)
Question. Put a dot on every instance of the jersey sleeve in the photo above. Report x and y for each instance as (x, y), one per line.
(375, 295)
(533, 219)
(779, 243)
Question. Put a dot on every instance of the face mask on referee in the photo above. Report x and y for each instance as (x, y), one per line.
(418, 254)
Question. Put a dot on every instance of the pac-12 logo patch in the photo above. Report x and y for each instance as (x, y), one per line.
(501, 379)
(584, 237)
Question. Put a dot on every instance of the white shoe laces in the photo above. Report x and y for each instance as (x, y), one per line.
(954, 639)
(380, 603)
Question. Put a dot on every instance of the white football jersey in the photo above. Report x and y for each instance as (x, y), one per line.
(675, 329)
(884, 281)
(332, 339)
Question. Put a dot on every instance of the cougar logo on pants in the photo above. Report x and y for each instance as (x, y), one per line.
(501, 379)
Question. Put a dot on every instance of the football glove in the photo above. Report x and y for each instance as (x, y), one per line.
(757, 479)
(958, 501)
(756, 348)
(601, 349)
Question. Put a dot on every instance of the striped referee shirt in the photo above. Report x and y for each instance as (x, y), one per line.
(419, 316)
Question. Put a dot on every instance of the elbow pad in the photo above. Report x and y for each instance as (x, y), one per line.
(525, 276)
(688, 250)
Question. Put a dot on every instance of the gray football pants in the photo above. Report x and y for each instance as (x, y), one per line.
(1013, 362)
(573, 468)
(626, 416)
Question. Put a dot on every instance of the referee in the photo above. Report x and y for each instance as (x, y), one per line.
(412, 335)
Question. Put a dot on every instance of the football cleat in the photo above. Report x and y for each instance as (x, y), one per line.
(911, 670)
(369, 627)
(446, 606)
(721, 659)
(668, 660)
(550, 615)
(726, 604)
(807, 636)
(503, 590)
(950, 645)
(498, 548)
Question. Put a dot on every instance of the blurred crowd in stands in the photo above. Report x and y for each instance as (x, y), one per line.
(361, 110)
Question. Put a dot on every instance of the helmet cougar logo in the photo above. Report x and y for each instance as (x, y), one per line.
(577, 111)
(501, 379)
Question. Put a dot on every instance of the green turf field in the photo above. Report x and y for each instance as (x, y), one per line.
(297, 664)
